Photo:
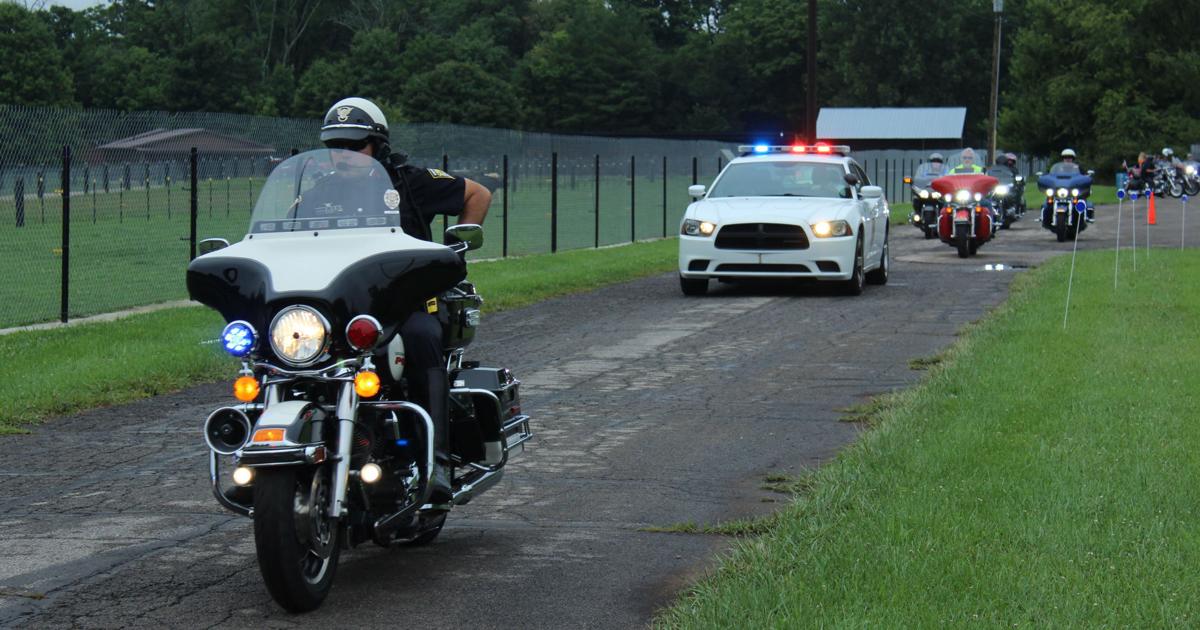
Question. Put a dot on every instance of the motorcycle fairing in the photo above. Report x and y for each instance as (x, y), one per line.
(1066, 180)
(379, 273)
(974, 183)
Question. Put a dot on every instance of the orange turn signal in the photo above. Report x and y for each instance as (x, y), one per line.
(245, 388)
(268, 435)
(366, 384)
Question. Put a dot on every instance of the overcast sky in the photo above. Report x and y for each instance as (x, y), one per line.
(77, 4)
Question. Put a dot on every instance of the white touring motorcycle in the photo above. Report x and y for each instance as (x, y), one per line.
(324, 450)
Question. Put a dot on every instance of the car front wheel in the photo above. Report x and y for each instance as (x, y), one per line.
(879, 275)
(854, 286)
(693, 286)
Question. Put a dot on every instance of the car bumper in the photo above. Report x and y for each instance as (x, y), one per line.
(824, 259)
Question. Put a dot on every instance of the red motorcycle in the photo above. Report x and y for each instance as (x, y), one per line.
(967, 221)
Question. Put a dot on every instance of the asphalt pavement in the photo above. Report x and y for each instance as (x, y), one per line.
(650, 409)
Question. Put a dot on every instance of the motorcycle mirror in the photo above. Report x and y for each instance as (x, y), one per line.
(1019, 178)
(1091, 172)
(1039, 173)
(468, 233)
(209, 245)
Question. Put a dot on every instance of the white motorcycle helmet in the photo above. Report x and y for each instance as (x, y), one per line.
(352, 123)
(1068, 153)
(1167, 152)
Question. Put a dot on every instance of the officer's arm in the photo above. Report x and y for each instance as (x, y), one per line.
(476, 200)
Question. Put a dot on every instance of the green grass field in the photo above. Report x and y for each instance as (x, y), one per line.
(1039, 477)
(131, 248)
(57, 371)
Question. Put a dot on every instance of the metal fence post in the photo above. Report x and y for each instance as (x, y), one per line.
(445, 169)
(195, 204)
(66, 234)
(554, 202)
(664, 165)
(504, 209)
(695, 170)
(632, 198)
(597, 201)
(19, 199)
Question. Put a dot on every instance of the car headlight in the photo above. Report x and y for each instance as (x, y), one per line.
(962, 196)
(924, 194)
(1061, 192)
(299, 335)
(692, 227)
(1002, 190)
(828, 229)
(1074, 192)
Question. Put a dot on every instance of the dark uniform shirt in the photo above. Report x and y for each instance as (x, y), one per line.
(426, 193)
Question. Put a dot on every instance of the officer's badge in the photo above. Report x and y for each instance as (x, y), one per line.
(438, 173)
(391, 199)
(344, 113)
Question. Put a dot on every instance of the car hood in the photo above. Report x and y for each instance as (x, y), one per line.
(797, 211)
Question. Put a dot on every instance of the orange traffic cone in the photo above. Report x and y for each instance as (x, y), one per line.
(1151, 218)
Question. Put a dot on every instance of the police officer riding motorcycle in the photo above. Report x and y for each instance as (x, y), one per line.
(359, 419)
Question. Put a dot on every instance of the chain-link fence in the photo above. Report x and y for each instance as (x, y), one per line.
(128, 238)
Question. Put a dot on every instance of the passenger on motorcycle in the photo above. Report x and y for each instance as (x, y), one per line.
(357, 124)
(968, 165)
(937, 164)
(1141, 174)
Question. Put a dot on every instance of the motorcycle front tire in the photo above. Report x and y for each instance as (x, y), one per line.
(963, 244)
(1192, 187)
(297, 580)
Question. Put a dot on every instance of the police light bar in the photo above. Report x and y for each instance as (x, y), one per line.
(815, 149)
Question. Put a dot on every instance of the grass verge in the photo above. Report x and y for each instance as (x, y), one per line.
(58, 371)
(1038, 477)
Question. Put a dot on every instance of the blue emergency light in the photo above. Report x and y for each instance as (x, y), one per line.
(238, 338)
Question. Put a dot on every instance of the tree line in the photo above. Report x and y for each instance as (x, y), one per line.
(1106, 77)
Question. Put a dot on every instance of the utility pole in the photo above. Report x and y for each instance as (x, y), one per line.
(810, 107)
(998, 9)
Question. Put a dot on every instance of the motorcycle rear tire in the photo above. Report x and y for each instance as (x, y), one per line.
(297, 578)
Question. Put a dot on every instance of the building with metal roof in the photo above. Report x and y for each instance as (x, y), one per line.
(168, 144)
(893, 127)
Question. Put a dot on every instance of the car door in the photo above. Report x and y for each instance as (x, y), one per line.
(873, 214)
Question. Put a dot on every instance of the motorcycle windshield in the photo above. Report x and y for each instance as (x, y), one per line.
(1003, 174)
(927, 172)
(326, 189)
(1065, 168)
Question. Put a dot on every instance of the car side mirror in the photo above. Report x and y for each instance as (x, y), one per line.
(851, 179)
(871, 192)
(209, 245)
(696, 190)
(469, 234)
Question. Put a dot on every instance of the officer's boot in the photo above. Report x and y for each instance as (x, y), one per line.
(436, 402)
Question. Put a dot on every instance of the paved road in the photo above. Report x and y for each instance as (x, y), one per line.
(651, 409)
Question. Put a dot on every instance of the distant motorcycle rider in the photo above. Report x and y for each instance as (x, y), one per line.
(968, 165)
(1068, 157)
(357, 124)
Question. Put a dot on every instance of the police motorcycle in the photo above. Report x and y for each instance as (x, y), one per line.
(1066, 208)
(926, 202)
(324, 450)
(1008, 197)
(966, 221)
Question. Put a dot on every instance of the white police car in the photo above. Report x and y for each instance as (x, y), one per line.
(803, 211)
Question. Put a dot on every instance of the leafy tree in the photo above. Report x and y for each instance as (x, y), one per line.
(33, 72)
(460, 92)
(322, 85)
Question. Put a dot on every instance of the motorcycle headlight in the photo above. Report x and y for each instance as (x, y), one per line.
(1190, 170)
(692, 227)
(924, 194)
(1001, 190)
(978, 196)
(827, 229)
(962, 196)
(299, 335)
(937, 195)
(1049, 192)
(1074, 192)
(1061, 192)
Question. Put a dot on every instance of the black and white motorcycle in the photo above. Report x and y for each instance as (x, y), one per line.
(324, 449)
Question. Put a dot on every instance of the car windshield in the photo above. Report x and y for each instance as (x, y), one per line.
(326, 189)
(782, 179)
(1065, 168)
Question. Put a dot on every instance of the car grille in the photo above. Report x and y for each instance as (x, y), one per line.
(764, 268)
(761, 236)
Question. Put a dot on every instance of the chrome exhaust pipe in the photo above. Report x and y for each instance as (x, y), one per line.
(226, 430)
